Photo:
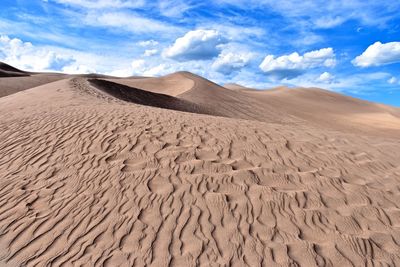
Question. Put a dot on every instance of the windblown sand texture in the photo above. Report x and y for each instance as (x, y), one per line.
(101, 171)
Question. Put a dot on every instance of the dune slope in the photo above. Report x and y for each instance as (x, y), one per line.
(13, 80)
(91, 174)
(147, 98)
(9, 71)
(212, 97)
(317, 107)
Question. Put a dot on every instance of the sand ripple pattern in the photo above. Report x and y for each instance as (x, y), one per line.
(106, 183)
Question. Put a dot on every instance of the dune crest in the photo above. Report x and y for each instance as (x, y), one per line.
(96, 170)
(173, 84)
(314, 106)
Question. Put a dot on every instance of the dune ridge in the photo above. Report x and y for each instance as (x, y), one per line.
(313, 106)
(9, 71)
(147, 98)
(100, 171)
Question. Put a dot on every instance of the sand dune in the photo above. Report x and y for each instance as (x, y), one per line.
(333, 110)
(121, 172)
(9, 71)
(284, 105)
(147, 98)
(13, 80)
(215, 99)
(173, 84)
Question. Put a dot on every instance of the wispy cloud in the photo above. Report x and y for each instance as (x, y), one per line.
(131, 22)
(326, 14)
(100, 4)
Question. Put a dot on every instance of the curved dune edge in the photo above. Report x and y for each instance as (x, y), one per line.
(318, 107)
(147, 98)
(314, 106)
(173, 84)
(94, 177)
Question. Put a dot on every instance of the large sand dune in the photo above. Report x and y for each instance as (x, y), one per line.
(180, 171)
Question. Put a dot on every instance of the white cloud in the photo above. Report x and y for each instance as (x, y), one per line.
(196, 45)
(174, 8)
(379, 54)
(326, 14)
(235, 32)
(307, 38)
(329, 22)
(138, 65)
(293, 65)
(32, 57)
(150, 52)
(28, 57)
(148, 43)
(141, 67)
(128, 22)
(226, 63)
(325, 77)
(97, 4)
(78, 69)
(355, 83)
(149, 68)
(120, 72)
(159, 67)
(392, 80)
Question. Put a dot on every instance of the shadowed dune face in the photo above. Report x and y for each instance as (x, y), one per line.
(11, 74)
(9, 71)
(147, 98)
(96, 173)
(6, 67)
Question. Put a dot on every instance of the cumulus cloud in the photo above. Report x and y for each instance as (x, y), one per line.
(196, 45)
(28, 57)
(379, 54)
(293, 65)
(159, 67)
(227, 63)
(141, 67)
(325, 77)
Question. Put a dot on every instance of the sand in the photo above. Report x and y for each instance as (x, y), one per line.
(121, 172)
(13, 80)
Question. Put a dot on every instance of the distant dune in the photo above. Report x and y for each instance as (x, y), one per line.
(316, 106)
(177, 170)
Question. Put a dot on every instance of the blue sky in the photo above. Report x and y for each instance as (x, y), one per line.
(347, 46)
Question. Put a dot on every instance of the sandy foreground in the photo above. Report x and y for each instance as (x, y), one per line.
(180, 171)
